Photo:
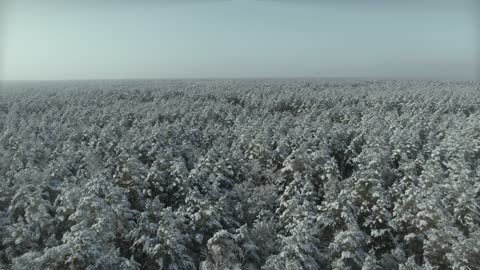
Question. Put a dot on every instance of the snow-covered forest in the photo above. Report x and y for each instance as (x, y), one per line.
(238, 174)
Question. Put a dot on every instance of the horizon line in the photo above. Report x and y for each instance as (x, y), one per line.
(364, 78)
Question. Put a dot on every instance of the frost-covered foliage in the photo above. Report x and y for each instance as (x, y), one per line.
(240, 175)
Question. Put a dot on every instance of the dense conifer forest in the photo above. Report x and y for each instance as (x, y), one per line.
(240, 174)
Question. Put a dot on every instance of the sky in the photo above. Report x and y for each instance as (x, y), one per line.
(70, 40)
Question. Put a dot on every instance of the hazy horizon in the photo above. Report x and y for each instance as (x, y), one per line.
(284, 78)
(242, 39)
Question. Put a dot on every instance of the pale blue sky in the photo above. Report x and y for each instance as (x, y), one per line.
(58, 40)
